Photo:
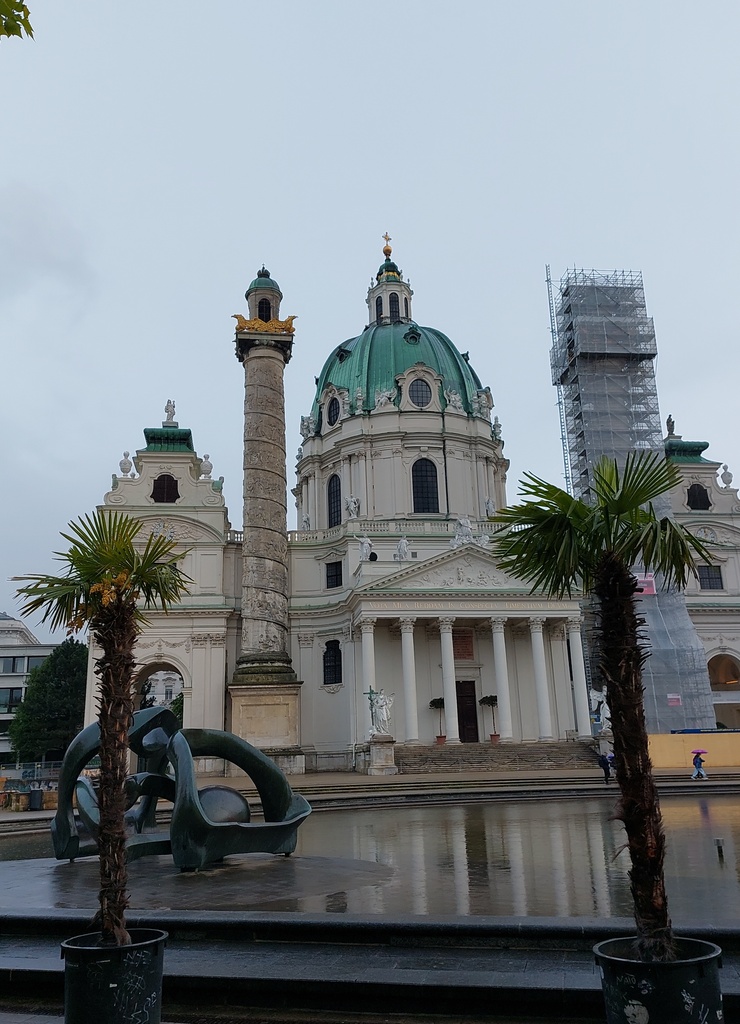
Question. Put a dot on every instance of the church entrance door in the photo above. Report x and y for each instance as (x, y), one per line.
(467, 714)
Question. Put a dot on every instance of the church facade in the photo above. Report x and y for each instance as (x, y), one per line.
(392, 587)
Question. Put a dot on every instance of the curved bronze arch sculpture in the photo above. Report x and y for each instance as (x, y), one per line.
(206, 825)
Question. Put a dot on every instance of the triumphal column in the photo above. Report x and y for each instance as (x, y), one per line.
(264, 691)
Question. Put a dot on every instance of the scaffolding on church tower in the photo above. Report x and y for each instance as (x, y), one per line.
(561, 397)
(602, 364)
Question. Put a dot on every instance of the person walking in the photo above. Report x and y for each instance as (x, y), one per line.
(698, 763)
(606, 767)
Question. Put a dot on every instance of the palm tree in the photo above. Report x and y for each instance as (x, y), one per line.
(560, 544)
(107, 583)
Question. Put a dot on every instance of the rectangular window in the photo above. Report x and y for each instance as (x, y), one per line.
(35, 662)
(10, 698)
(710, 577)
(333, 575)
(10, 665)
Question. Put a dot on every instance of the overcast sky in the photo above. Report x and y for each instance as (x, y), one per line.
(154, 155)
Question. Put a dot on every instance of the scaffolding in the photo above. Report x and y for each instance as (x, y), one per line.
(602, 360)
(602, 363)
(561, 397)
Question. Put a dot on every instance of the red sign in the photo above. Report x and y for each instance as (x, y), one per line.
(462, 644)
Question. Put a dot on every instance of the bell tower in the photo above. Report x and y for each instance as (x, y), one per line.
(389, 298)
(264, 691)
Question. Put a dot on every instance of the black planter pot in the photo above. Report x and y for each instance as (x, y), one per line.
(686, 990)
(114, 984)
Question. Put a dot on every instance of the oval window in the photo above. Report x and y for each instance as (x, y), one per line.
(332, 413)
(420, 393)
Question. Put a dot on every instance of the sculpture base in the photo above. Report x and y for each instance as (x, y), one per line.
(382, 760)
(268, 715)
(263, 669)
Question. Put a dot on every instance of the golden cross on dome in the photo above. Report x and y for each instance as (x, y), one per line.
(387, 237)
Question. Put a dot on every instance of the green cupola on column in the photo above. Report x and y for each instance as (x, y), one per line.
(263, 297)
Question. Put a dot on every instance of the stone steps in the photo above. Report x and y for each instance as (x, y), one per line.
(495, 757)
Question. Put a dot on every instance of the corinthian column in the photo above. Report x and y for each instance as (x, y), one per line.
(580, 695)
(542, 695)
(449, 689)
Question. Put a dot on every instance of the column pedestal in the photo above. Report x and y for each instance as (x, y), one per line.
(269, 717)
(382, 760)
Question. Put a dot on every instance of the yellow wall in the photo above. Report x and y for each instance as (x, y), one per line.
(674, 751)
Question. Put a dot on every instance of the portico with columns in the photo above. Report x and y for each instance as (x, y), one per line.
(456, 627)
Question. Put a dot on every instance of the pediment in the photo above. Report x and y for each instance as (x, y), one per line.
(177, 528)
(714, 531)
(463, 570)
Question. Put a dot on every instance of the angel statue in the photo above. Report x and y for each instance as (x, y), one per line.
(380, 712)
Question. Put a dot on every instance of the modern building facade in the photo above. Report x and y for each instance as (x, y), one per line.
(20, 653)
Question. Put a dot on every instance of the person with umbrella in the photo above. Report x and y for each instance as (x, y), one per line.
(698, 763)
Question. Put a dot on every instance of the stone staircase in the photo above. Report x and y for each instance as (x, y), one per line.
(505, 757)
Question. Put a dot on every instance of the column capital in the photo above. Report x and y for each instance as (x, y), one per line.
(498, 623)
(537, 623)
(367, 625)
(574, 623)
(407, 624)
(446, 624)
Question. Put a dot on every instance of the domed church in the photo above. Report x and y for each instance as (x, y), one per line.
(387, 587)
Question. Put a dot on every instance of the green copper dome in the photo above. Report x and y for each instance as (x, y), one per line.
(263, 280)
(374, 360)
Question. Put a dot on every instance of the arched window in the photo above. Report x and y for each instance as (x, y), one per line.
(379, 308)
(406, 307)
(698, 498)
(264, 310)
(424, 486)
(394, 309)
(334, 500)
(332, 663)
(165, 490)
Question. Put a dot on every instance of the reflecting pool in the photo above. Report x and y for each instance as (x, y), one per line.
(560, 858)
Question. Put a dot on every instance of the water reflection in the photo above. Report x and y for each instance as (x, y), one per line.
(556, 858)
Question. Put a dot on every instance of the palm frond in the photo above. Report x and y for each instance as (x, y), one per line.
(103, 563)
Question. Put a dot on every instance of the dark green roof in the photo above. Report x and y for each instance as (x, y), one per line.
(389, 267)
(168, 439)
(373, 360)
(678, 450)
(263, 280)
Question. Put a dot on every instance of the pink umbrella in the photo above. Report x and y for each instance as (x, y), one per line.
(699, 751)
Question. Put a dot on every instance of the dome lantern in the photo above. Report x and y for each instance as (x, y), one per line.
(389, 299)
(263, 297)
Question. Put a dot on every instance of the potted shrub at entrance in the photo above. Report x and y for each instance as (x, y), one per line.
(490, 700)
(437, 704)
(560, 544)
(107, 583)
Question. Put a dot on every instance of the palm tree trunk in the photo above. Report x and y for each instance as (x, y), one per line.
(621, 659)
(116, 634)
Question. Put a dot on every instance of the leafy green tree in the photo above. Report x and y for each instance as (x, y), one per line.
(109, 581)
(15, 19)
(177, 706)
(53, 707)
(560, 544)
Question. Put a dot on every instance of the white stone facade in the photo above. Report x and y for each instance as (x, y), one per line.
(713, 600)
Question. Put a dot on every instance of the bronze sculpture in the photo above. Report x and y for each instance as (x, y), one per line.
(207, 824)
